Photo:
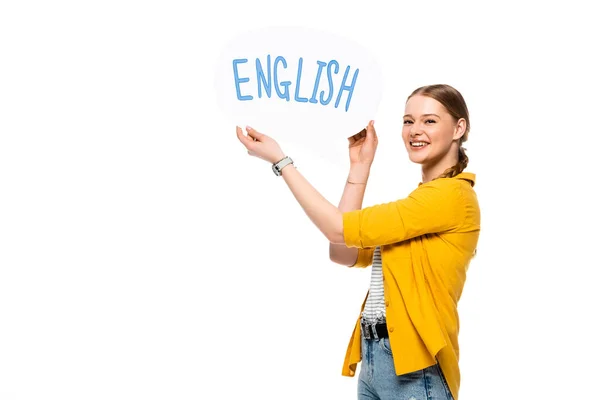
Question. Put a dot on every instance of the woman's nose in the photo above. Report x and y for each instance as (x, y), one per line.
(415, 131)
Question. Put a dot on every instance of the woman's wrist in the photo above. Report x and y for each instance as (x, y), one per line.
(359, 173)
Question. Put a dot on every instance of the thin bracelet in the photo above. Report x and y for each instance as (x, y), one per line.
(357, 183)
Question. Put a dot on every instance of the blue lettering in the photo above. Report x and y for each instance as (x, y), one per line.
(239, 80)
(313, 99)
(296, 96)
(350, 88)
(337, 68)
(285, 84)
(266, 80)
(260, 76)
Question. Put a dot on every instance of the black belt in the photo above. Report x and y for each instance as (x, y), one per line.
(376, 331)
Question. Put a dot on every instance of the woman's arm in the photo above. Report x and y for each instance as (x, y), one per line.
(434, 207)
(351, 200)
(326, 217)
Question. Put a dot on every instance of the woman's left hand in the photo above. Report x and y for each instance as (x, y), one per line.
(260, 145)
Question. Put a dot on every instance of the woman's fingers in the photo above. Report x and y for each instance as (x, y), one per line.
(356, 137)
(254, 134)
(371, 130)
(240, 134)
(247, 141)
(361, 134)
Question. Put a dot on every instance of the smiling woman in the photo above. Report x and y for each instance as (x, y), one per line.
(420, 248)
(436, 125)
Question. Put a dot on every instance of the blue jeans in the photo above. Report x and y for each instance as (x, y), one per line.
(377, 379)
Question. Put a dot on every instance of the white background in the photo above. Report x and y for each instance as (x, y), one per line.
(145, 255)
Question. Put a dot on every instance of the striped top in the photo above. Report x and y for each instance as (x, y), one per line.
(375, 307)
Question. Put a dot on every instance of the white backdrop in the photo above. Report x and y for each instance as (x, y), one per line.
(145, 255)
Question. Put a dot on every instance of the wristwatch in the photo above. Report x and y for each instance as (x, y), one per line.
(278, 166)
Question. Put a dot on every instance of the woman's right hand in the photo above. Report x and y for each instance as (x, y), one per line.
(362, 146)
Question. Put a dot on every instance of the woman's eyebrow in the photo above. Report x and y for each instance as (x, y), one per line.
(424, 115)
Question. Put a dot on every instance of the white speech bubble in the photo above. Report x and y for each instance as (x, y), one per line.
(298, 85)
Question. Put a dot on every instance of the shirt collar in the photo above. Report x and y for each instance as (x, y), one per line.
(467, 176)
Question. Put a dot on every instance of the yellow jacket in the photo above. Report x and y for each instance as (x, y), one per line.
(427, 241)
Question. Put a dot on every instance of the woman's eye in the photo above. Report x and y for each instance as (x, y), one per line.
(430, 121)
(407, 122)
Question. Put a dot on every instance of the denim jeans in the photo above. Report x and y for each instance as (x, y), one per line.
(377, 379)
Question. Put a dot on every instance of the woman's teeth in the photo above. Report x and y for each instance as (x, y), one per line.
(418, 144)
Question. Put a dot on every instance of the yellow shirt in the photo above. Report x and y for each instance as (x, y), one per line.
(427, 241)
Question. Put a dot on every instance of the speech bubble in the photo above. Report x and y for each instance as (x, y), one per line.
(298, 85)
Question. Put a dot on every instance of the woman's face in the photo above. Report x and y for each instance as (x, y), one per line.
(429, 131)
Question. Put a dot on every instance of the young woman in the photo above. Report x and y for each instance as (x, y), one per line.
(419, 247)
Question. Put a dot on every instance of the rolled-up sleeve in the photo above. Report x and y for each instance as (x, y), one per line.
(364, 259)
(434, 207)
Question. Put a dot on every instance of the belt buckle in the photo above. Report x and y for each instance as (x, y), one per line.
(375, 336)
(365, 331)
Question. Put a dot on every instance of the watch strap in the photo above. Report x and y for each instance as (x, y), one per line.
(279, 165)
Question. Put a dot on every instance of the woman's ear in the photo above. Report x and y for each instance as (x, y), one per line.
(461, 127)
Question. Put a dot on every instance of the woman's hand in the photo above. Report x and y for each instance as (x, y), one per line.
(260, 145)
(362, 146)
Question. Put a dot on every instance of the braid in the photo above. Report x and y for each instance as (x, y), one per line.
(463, 160)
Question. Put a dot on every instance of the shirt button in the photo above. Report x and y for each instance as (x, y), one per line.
(391, 329)
(387, 303)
